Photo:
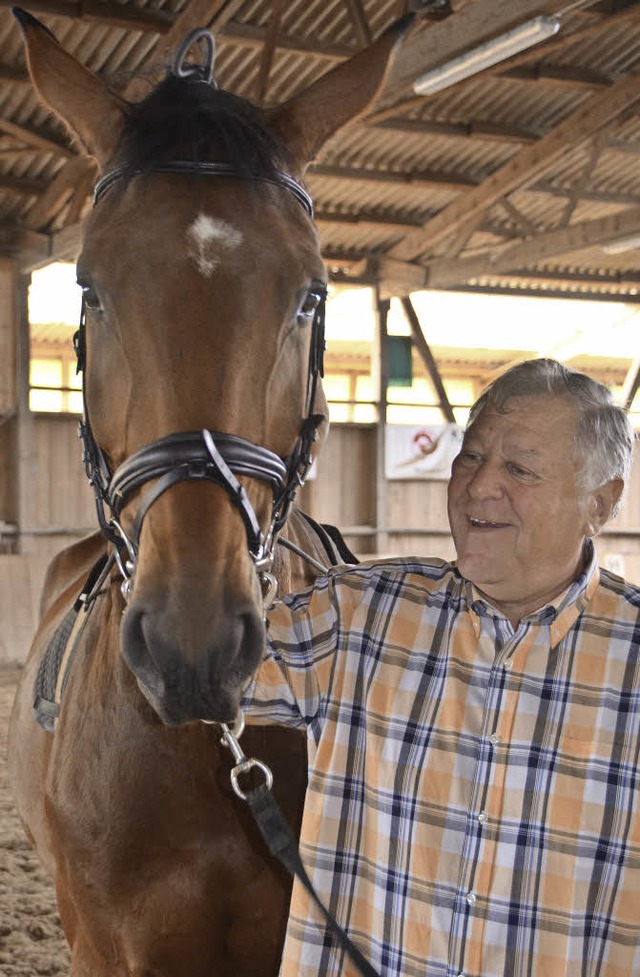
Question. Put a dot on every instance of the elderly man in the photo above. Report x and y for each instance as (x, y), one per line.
(474, 728)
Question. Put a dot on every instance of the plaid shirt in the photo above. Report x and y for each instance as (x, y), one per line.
(474, 792)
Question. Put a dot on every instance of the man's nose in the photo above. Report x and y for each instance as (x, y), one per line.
(487, 481)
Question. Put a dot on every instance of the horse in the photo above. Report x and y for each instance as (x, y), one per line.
(201, 350)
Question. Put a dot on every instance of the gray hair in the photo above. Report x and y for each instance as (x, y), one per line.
(604, 437)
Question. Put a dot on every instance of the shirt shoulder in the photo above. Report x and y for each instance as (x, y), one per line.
(423, 568)
(617, 586)
(402, 577)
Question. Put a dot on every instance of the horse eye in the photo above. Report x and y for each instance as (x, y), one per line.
(311, 301)
(90, 297)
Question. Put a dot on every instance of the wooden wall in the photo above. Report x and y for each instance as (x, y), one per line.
(403, 518)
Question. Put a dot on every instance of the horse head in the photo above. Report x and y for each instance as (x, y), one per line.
(203, 284)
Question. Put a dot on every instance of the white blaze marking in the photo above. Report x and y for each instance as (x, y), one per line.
(208, 238)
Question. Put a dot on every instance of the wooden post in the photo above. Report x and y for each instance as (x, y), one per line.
(8, 404)
(382, 536)
(25, 456)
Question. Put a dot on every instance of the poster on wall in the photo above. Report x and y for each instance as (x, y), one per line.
(425, 451)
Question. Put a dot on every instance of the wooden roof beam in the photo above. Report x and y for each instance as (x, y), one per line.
(20, 185)
(522, 168)
(268, 50)
(37, 249)
(126, 16)
(428, 359)
(612, 287)
(366, 218)
(535, 249)
(559, 75)
(58, 194)
(631, 384)
(251, 36)
(35, 138)
(430, 178)
(17, 76)
(449, 130)
(360, 22)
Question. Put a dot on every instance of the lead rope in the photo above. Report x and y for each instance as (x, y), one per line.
(278, 837)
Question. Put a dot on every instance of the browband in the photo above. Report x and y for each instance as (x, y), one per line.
(206, 168)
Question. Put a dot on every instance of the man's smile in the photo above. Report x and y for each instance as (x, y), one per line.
(486, 524)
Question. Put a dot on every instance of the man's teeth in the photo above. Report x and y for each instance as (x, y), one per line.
(481, 522)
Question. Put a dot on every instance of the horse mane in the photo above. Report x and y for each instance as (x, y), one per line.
(183, 118)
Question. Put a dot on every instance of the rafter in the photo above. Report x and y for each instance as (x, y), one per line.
(38, 249)
(527, 164)
(449, 130)
(631, 384)
(433, 179)
(17, 76)
(428, 359)
(21, 186)
(34, 137)
(268, 50)
(536, 249)
(127, 16)
(360, 22)
(555, 75)
(584, 178)
(252, 36)
(57, 194)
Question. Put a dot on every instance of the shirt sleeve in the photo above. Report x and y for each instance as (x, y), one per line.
(291, 684)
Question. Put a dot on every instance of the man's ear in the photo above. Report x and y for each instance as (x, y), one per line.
(603, 505)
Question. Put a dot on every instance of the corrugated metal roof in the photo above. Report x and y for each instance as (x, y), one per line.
(416, 160)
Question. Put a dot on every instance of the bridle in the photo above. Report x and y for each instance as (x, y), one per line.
(206, 455)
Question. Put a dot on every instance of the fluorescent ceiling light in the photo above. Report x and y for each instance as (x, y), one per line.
(493, 52)
(623, 244)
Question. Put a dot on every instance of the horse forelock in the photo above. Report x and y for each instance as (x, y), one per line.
(186, 119)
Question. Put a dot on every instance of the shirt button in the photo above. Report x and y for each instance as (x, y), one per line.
(482, 817)
(508, 664)
(494, 739)
(471, 898)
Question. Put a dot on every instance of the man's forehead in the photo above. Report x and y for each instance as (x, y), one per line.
(529, 425)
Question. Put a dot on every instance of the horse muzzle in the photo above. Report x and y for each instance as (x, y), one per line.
(185, 677)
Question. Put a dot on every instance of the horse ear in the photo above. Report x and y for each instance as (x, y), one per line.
(306, 121)
(84, 103)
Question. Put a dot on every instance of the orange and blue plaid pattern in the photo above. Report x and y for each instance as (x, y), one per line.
(474, 793)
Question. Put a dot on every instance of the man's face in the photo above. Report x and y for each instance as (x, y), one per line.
(517, 515)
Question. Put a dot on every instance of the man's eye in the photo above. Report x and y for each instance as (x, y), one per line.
(519, 472)
(469, 457)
